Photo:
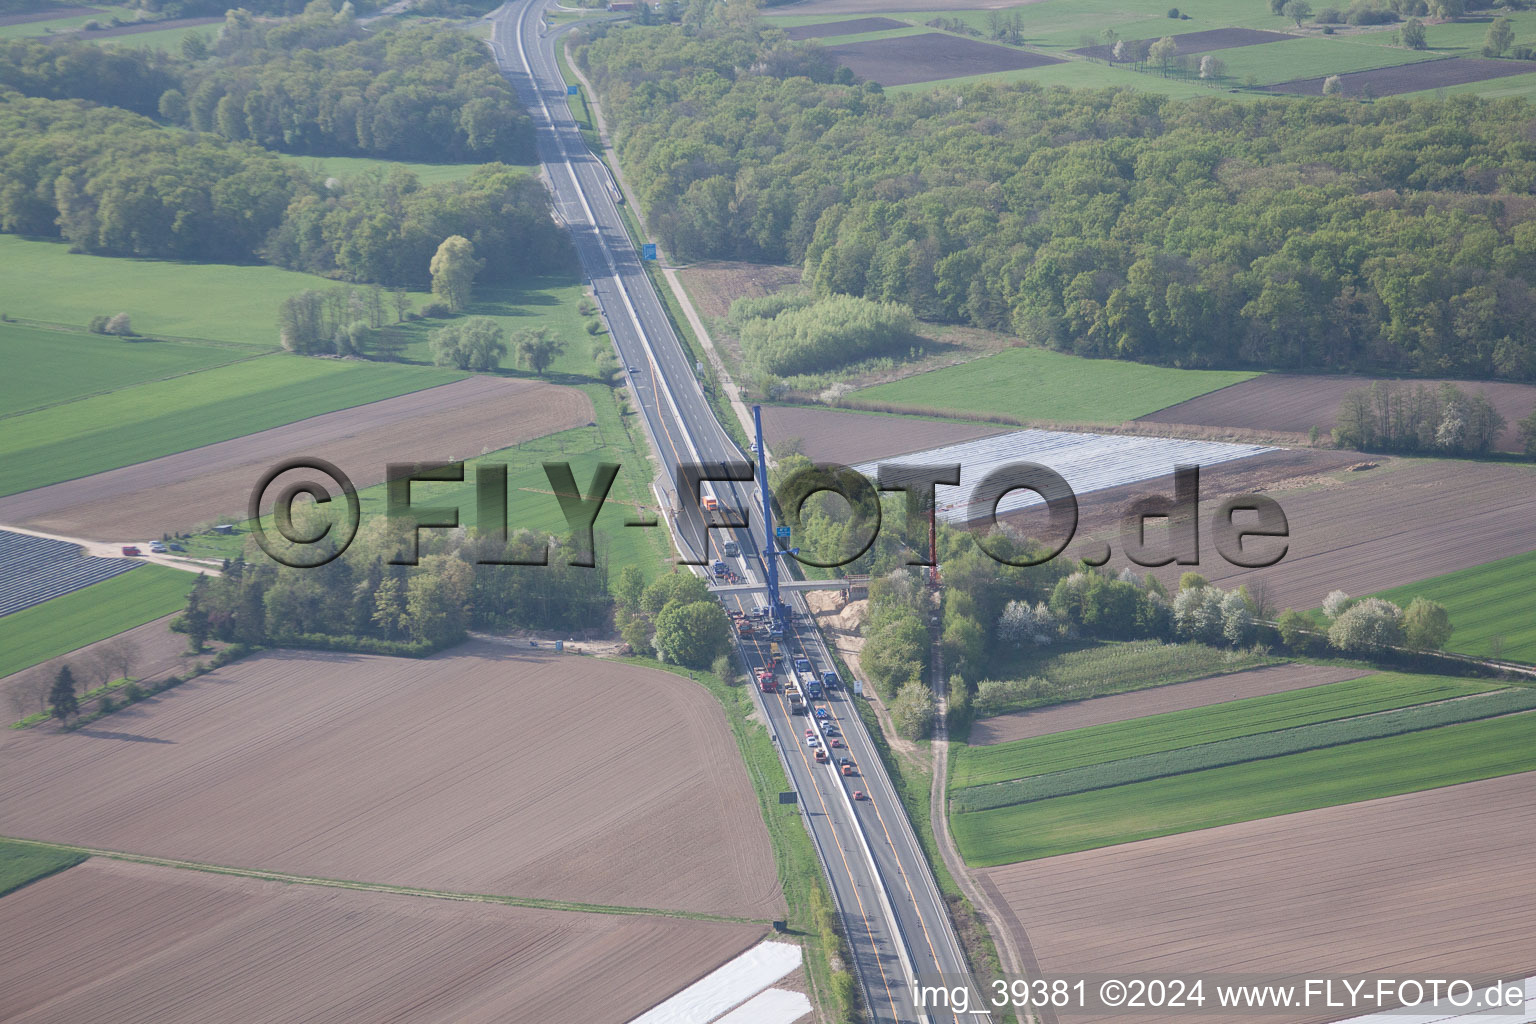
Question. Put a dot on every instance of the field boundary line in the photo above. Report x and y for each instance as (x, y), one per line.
(531, 902)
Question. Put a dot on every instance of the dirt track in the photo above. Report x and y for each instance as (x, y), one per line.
(852, 437)
(178, 492)
(1296, 402)
(1121, 707)
(110, 941)
(1408, 886)
(489, 769)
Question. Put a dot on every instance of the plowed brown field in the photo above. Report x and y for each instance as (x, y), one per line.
(490, 769)
(1122, 707)
(850, 437)
(122, 943)
(175, 493)
(1296, 402)
(1408, 886)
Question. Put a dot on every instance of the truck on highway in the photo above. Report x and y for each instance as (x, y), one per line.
(716, 513)
(719, 569)
(796, 701)
(811, 685)
(732, 549)
(802, 664)
(776, 653)
(829, 681)
(766, 683)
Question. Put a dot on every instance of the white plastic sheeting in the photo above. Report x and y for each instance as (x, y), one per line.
(1088, 462)
(726, 987)
(775, 1006)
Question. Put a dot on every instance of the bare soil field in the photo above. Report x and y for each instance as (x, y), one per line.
(891, 6)
(714, 285)
(1408, 886)
(1404, 521)
(111, 941)
(930, 57)
(1295, 403)
(843, 28)
(1429, 74)
(175, 493)
(1203, 42)
(850, 437)
(1121, 707)
(48, 14)
(488, 769)
(160, 653)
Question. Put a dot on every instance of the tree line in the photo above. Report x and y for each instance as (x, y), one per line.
(1395, 416)
(1283, 233)
(115, 183)
(807, 335)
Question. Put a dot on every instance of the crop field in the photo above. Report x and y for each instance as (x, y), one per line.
(1201, 42)
(136, 942)
(1391, 81)
(210, 301)
(856, 26)
(156, 418)
(1295, 403)
(1268, 63)
(930, 56)
(507, 771)
(1241, 749)
(175, 493)
(1039, 386)
(1406, 520)
(63, 17)
(1362, 889)
(34, 358)
(101, 610)
(1062, 751)
(1159, 700)
(165, 36)
(1111, 668)
(21, 864)
(1365, 770)
(1490, 607)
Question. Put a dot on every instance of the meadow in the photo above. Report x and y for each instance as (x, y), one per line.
(1345, 774)
(1037, 385)
(1057, 752)
(1101, 669)
(157, 418)
(1490, 607)
(103, 609)
(205, 301)
(1205, 756)
(1268, 63)
(22, 863)
(35, 358)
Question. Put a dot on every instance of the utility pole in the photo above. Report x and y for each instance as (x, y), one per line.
(770, 543)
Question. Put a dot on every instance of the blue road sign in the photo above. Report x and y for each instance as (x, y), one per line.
(570, 90)
(648, 251)
(781, 531)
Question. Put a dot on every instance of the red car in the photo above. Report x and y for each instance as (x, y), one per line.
(131, 551)
(858, 794)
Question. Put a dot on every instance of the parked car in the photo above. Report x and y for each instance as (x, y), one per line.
(175, 547)
(131, 551)
(157, 547)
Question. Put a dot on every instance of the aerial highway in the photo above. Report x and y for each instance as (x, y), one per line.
(892, 912)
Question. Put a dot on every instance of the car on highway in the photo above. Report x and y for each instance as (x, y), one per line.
(834, 742)
(812, 741)
(830, 730)
(633, 369)
(858, 794)
(846, 766)
(732, 549)
(821, 756)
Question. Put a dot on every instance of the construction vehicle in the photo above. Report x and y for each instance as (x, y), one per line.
(776, 653)
(766, 683)
(719, 569)
(796, 701)
(745, 629)
(802, 664)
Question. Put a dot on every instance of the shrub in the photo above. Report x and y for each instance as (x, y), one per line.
(99, 324)
(1330, 16)
(832, 332)
(1173, 12)
(133, 692)
(436, 310)
(120, 326)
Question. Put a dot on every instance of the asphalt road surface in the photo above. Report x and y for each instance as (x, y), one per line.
(892, 912)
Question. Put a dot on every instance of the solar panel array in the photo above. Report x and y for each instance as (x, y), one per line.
(35, 569)
(1088, 462)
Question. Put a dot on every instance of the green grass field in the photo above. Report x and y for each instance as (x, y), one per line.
(100, 610)
(1083, 74)
(45, 366)
(540, 302)
(1344, 774)
(1104, 668)
(51, 25)
(980, 766)
(161, 417)
(166, 40)
(1490, 607)
(210, 301)
(21, 863)
(1269, 63)
(1037, 385)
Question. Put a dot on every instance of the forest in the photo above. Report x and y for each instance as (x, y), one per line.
(115, 183)
(1393, 236)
